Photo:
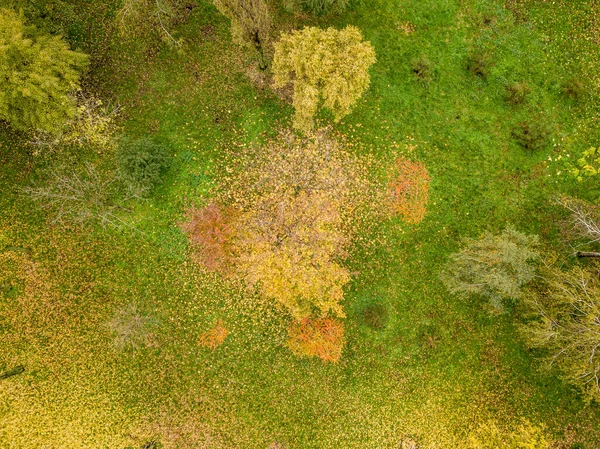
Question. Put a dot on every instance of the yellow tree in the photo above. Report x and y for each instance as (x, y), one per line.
(39, 74)
(323, 66)
(295, 198)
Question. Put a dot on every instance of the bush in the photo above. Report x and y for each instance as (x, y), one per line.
(573, 89)
(525, 435)
(409, 190)
(210, 230)
(422, 68)
(317, 337)
(493, 266)
(214, 337)
(480, 64)
(375, 316)
(141, 164)
(532, 135)
(517, 93)
(131, 329)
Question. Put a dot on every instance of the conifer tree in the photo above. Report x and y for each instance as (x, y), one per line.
(38, 74)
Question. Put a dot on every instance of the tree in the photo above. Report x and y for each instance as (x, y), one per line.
(493, 266)
(324, 66)
(525, 435)
(565, 308)
(135, 16)
(39, 73)
(409, 190)
(250, 24)
(283, 219)
(583, 223)
(296, 199)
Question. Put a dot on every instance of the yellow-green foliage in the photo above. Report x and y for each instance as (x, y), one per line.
(524, 436)
(250, 23)
(567, 325)
(324, 66)
(94, 125)
(38, 73)
(296, 197)
(587, 165)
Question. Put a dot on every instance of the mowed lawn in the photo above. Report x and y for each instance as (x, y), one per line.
(432, 368)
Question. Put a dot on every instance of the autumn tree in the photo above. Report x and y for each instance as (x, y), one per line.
(582, 225)
(494, 266)
(250, 24)
(39, 74)
(295, 198)
(328, 67)
(565, 308)
(408, 190)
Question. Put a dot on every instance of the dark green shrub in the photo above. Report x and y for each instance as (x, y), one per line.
(532, 135)
(320, 7)
(141, 164)
(517, 93)
(480, 64)
(375, 316)
(422, 68)
(573, 89)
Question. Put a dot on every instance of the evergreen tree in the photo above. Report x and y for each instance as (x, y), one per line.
(37, 75)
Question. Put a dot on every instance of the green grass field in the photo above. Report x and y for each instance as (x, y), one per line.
(440, 365)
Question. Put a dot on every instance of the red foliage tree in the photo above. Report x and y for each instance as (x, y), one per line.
(210, 230)
(215, 336)
(409, 190)
(317, 337)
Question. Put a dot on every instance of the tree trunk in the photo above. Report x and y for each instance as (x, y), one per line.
(262, 62)
(587, 254)
(13, 372)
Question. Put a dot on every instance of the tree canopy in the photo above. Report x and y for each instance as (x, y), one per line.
(324, 66)
(39, 73)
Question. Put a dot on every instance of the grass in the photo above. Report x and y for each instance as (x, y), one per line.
(418, 362)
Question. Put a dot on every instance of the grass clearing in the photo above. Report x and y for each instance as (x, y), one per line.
(436, 366)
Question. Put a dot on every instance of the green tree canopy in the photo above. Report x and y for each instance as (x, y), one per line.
(324, 66)
(37, 74)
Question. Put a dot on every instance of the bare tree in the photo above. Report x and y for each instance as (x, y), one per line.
(584, 222)
(566, 308)
(81, 197)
